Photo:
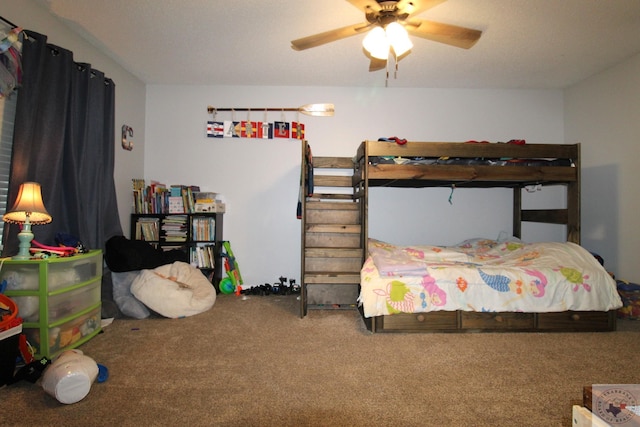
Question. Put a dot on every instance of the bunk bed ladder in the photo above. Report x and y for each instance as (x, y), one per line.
(331, 256)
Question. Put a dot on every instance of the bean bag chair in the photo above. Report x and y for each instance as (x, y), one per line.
(174, 290)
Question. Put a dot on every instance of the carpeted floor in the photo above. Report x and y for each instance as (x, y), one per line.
(255, 362)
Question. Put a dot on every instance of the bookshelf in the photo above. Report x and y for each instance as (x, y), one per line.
(198, 234)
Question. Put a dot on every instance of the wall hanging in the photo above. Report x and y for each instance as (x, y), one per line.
(127, 131)
(264, 129)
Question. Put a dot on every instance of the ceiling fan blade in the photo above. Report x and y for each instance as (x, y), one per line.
(443, 33)
(377, 64)
(416, 7)
(328, 36)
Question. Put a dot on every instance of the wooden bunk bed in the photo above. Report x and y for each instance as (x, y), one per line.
(479, 165)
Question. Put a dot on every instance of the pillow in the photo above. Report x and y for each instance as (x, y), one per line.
(477, 243)
(124, 299)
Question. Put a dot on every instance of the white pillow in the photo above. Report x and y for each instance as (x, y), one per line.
(124, 299)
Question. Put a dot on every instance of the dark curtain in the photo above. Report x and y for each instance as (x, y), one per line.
(64, 139)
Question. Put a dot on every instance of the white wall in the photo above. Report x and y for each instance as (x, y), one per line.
(259, 179)
(130, 91)
(603, 112)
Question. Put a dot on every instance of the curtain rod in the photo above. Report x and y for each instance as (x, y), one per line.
(8, 22)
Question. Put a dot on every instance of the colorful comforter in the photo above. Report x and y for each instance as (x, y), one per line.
(484, 275)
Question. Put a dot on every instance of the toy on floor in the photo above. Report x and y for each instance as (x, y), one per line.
(69, 377)
(233, 282)
(31, 371)
(280, 288)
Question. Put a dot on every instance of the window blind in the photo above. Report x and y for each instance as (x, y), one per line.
(8, 114)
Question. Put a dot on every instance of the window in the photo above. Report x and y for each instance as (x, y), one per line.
(7, 115)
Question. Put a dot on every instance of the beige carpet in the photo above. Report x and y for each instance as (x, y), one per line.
(254, 362)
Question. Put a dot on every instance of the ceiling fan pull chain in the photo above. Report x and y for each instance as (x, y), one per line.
(395, 71)
(386, 79)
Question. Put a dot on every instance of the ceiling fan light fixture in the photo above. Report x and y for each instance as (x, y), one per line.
(398, 38)
(388, 25)
(376, 43)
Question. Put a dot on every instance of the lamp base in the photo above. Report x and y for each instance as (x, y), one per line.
(25, 237)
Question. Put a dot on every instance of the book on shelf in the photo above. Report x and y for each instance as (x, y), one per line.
(176, 190)
(157, 187)
(138, 183)
(202, 256)
(175, 204)
(157, 198)
(149, 199)
(203, 228)
(187, 196)
(175, 228)
(158, 194)
(147, 229)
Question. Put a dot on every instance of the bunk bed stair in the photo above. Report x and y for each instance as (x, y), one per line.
(332, 246)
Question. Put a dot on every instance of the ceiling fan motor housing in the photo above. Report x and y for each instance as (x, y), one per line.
(387, 14)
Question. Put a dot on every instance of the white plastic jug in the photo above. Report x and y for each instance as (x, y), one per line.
(69, 377)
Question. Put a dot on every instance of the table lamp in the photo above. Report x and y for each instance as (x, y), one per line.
(28, 209)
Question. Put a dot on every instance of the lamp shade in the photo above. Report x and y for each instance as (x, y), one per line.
(398, 38)
(28, 205)
(376, 43)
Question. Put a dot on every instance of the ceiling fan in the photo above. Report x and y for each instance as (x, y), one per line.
(386, 14)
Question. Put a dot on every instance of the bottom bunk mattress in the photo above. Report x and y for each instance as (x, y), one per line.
(484, 275)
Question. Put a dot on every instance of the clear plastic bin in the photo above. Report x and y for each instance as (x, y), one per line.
(62, 273)
(67, 303)
(28, 307)
(71, 273)
(60, 305)
(20, 277)
(49, 342)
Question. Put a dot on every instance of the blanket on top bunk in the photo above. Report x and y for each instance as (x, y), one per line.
(374, 160)
(484, 275)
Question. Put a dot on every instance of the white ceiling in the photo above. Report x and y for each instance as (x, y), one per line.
(525, 43)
